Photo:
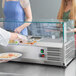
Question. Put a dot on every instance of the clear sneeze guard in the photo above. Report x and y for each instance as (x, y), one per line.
(52, 30)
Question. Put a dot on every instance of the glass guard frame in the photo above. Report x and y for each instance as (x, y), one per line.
(48, 28)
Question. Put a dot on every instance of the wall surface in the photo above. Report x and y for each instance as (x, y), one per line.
(45, 9)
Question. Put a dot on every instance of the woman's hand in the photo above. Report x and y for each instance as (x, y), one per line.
(18, 30)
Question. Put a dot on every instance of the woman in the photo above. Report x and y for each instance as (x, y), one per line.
(68, 11)
(17, 11)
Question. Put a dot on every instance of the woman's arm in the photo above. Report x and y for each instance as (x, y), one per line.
(28, 13)
(28, 20)
(3, 2)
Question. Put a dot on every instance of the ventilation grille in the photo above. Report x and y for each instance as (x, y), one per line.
(70, 51)
(70, 48)
(53, 49)
(70, 57)
(54, 54)
(53, 58)
(70, 44)
(69, 54)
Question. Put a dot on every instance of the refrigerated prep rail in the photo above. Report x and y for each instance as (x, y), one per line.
(49, 42)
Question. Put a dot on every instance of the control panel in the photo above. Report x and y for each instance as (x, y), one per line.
(42, 53)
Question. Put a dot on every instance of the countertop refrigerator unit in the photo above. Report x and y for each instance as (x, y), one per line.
(49, 42)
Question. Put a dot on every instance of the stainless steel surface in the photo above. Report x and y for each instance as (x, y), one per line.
(10, 74)
(52, 55)
(32, 54)
(25, 69)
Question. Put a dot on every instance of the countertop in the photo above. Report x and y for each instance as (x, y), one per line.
(28, 69)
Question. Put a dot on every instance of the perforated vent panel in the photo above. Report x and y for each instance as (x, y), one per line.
(54, 54)
(69, 51)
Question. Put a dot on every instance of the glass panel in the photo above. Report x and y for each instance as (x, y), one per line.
(45, 29)
(68, 30)
(50, 30)
(34, 20)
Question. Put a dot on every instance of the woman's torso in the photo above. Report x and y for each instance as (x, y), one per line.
(13, 10)
(66, 15)
(14, 13)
